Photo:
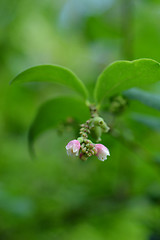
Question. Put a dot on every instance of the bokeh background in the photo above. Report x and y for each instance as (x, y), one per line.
(55, 197)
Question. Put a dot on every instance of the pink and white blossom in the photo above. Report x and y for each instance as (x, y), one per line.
(102, 152)
(73, 148)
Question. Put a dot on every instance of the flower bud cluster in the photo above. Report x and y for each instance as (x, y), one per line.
(84, 130)
(87, 149)
(83, 147)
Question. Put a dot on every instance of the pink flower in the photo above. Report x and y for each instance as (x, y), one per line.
(73, 148)
(102, 152)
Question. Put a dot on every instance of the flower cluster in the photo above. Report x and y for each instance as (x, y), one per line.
(84, 147)
(74, 148)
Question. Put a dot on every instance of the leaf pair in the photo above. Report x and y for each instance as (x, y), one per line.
(115, 79)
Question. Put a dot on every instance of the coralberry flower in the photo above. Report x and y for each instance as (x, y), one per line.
(73, 148)
(102, 152)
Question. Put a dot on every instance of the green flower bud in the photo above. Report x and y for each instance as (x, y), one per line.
(92, 152)
(83, 157)
(84, 135)
(84, 150)
(96, 133)
(80, 139)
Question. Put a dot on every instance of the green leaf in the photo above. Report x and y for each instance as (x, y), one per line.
(56, 111)
(150, 121)
(149, 99)
(122, 75)
(55, 74)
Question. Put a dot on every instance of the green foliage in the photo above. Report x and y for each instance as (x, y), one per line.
(55, 112)
(150, 99)
(123, 75)
(57, 197)
(116, 78)
(52, 73)
(147, 120)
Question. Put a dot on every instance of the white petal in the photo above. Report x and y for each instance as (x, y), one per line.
(74, 148)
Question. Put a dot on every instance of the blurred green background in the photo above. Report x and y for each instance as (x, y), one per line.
(56, 197)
